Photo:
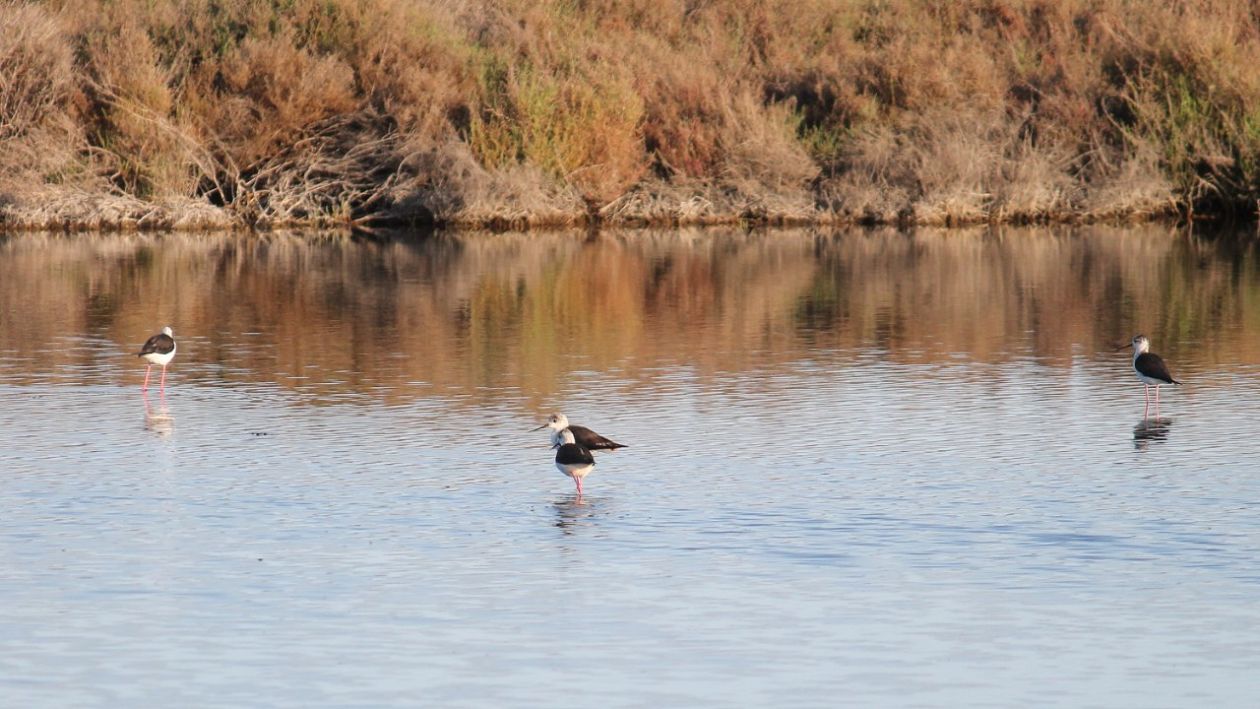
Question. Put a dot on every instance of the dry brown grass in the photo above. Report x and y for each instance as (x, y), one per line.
(35, 70)
(38, 139)
(523, 112)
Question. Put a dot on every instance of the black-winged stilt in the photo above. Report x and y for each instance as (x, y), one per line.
(1150, 369)
(582, 435)
(159, 349)
(572, 459)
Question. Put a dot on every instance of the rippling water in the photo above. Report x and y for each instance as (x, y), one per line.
(865, 468)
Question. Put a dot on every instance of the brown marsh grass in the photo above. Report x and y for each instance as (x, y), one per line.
(516, 112)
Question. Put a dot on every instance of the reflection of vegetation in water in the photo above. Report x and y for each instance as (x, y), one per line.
(526, 312)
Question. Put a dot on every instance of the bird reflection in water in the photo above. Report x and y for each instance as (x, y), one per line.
(574, 512)
(158, 419)
(1148, 431)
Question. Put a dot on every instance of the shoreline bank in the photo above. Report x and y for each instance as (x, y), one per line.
(87, 212)
(158, 114)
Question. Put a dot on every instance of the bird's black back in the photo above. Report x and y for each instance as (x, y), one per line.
(574, 454)
(1152, 365)
(590, 440)
(160, 343)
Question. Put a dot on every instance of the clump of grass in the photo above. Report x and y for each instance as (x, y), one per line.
(577, 130)
(35, 70)
(37, 86)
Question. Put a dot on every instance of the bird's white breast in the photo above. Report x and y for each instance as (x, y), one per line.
(575, 470)
(159, 358)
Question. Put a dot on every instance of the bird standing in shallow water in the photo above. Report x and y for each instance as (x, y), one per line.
(582, 435)
(572, 459)
(1150, 370)
(159, 349)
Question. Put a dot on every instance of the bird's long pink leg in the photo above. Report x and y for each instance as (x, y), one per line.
(145, 386)
(578, 480)
(1146, 388)
(163, 390)
(1156, 400)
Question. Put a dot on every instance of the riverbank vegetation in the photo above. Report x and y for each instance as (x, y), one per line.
(169, 113)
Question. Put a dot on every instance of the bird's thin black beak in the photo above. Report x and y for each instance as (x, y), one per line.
(1125, 346)
(538, 429)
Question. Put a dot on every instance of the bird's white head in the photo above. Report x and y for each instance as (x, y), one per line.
(168, 331)
(557, 437)
(1140, 344)
(556, 422)
(561, 437)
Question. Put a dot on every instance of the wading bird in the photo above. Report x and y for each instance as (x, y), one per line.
(1150, 369)
(582, 435)
(572, 459)
(159, 349)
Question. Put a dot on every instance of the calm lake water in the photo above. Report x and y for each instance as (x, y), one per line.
(864, 469)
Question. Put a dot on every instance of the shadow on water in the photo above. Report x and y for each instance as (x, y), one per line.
(1151, 430)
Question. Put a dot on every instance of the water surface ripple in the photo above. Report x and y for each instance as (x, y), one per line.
(865, 469)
